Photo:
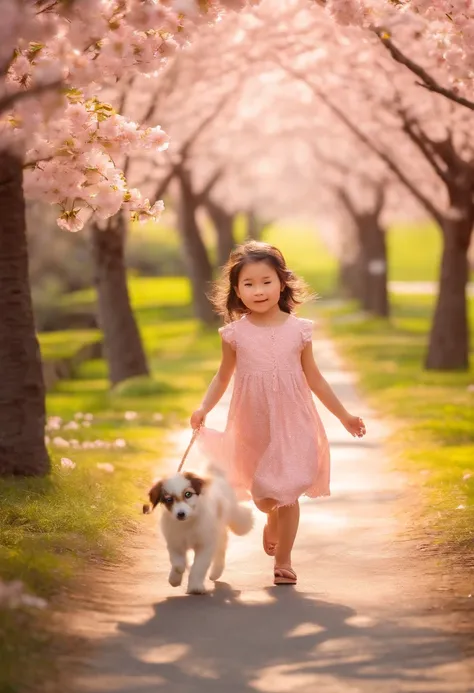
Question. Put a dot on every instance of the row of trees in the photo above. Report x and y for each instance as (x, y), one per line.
(63, 142)
(295, 113)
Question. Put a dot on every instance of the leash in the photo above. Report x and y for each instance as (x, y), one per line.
(191, 442)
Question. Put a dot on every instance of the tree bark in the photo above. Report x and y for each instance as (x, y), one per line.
(370, 286)
(223, 223)
(448, 347)
(350, 273)
(123, 348)
(374, 253)
(22, 393)
(197, 259)
(254, 228)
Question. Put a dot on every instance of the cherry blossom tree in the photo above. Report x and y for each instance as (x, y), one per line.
(59, 137)
(423, 139)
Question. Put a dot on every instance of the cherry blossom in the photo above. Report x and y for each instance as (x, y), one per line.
(66, 463)
(55, 59)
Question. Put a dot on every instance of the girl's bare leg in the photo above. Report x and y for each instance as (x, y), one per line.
(270, 533)
(288, 521)
(272, 524)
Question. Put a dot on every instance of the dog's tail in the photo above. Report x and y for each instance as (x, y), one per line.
(240, 519)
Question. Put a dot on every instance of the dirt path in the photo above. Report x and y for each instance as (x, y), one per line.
(360, 620)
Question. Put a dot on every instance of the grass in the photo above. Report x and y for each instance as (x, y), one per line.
(306, 253)
(432, 412)
(64, 344)
(51, 528)
(414, 251)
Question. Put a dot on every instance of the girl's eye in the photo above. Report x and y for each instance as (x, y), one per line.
(267, 282)
(188, 494)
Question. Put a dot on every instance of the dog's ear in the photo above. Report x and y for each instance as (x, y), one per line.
(155, 494)
(197, 482)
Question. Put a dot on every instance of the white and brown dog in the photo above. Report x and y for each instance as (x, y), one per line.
(198, 512)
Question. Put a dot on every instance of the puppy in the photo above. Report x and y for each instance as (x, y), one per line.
(198, 512)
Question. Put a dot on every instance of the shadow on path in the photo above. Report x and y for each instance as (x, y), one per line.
(277, 640)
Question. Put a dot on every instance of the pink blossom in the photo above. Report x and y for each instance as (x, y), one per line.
(87, 45)
(13, 595)
(346, 12)
(21, 69)
(60, 442)
(71, 221)
(66, 463)
(155, 138)
(106, 467)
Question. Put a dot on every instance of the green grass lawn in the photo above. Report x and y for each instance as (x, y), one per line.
(64, 344)
(306, 254)
(414, 251)
(50, 529)
(432, 412)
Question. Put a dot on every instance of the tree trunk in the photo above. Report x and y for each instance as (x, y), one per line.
(449, 338)
(350, 278)
(197, 260)
(224, 225)
(22, 392)
(254, 228)
(123, 348)
(374, 251)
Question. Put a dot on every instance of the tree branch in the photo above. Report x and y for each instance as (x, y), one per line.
(6, 102)
(427, 81)
(164, 183)
(391, 164)
(203, 195)
(425, 145)
(346, 201)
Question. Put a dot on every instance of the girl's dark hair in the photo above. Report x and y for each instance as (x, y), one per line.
(224, 296)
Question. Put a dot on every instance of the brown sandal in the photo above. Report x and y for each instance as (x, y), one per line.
(284, 576)
(268, 546)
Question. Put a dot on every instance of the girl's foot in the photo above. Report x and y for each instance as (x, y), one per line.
(284, 575)
(270, 533)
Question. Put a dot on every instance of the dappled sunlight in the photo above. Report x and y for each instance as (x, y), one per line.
(163, 653)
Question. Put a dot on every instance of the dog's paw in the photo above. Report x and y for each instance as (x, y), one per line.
(175, 577)
(196, 589)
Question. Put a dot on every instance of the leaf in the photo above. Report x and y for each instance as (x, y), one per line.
(74, 95)
(35, 48)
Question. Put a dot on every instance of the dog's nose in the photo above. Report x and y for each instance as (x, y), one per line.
(181, 515)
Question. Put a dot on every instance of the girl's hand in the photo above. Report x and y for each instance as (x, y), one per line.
(197, 419)
(354, 425)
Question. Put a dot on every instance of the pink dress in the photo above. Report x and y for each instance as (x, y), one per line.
(274, 444)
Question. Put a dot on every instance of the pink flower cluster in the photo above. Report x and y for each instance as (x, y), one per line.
(62, 55)
(448, 26)
(71, 162)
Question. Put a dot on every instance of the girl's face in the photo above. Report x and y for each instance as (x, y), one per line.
(259, 287)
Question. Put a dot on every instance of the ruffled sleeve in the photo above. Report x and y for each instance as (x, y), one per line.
(306, 327)
(228, 334)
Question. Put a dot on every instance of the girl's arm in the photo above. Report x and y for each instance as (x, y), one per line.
(218, 385)
(326, 394)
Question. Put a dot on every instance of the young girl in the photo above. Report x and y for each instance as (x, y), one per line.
(274, 445)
